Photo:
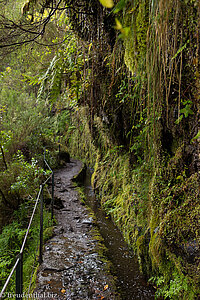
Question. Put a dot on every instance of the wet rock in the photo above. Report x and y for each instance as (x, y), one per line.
(58, 185)
(88, 221)
(71, 268)
(63, 190)
(191, 251)
(58, 230)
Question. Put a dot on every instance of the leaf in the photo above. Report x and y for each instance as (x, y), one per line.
(63, 291)
(196, 137)
(179, 119)
(186, 111)
(89, 47)
(180, 177)
(118, 24)
(119, 6)
(180, 49)
(107, 3)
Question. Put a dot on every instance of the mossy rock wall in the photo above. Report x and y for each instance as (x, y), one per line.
(156, 210)
(140, 135)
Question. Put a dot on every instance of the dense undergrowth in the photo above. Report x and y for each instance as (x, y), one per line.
(25, 131)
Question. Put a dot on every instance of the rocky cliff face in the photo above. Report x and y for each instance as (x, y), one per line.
(143, 102)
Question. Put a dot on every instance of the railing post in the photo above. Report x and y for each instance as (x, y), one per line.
(52, 195)
(19, 278)
(41, 226)
(44, 159)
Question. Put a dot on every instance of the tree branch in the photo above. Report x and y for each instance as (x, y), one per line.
(23, 29)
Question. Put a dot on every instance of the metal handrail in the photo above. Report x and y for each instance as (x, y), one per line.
(18, 266)
(46, 161)
(8, 279)
(52, 187)
(31, 219)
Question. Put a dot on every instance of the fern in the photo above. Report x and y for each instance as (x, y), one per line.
(50, 82)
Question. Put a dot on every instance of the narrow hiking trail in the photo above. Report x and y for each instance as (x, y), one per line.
(72, 268)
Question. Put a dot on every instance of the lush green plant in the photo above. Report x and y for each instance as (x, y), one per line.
(11, 240)
(185, 111)
(174, 288)
(20, 180)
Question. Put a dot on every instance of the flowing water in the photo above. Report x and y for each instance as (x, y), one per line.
(131, 284)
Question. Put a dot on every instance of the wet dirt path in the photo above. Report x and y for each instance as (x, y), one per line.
(72, 268)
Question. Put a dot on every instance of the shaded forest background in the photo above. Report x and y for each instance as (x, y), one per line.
(119, 88)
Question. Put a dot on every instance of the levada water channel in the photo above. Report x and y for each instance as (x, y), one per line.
(131, 284)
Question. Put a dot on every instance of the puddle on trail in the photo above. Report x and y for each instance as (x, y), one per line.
(130, 282)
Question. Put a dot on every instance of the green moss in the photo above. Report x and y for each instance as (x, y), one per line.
(136, 41)
(155, 206)
(130, 52)
(143, 253)
(175, 230)
(94, 174)
(48, 233)
(140, 245)
(142, 26)
(80, 142)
